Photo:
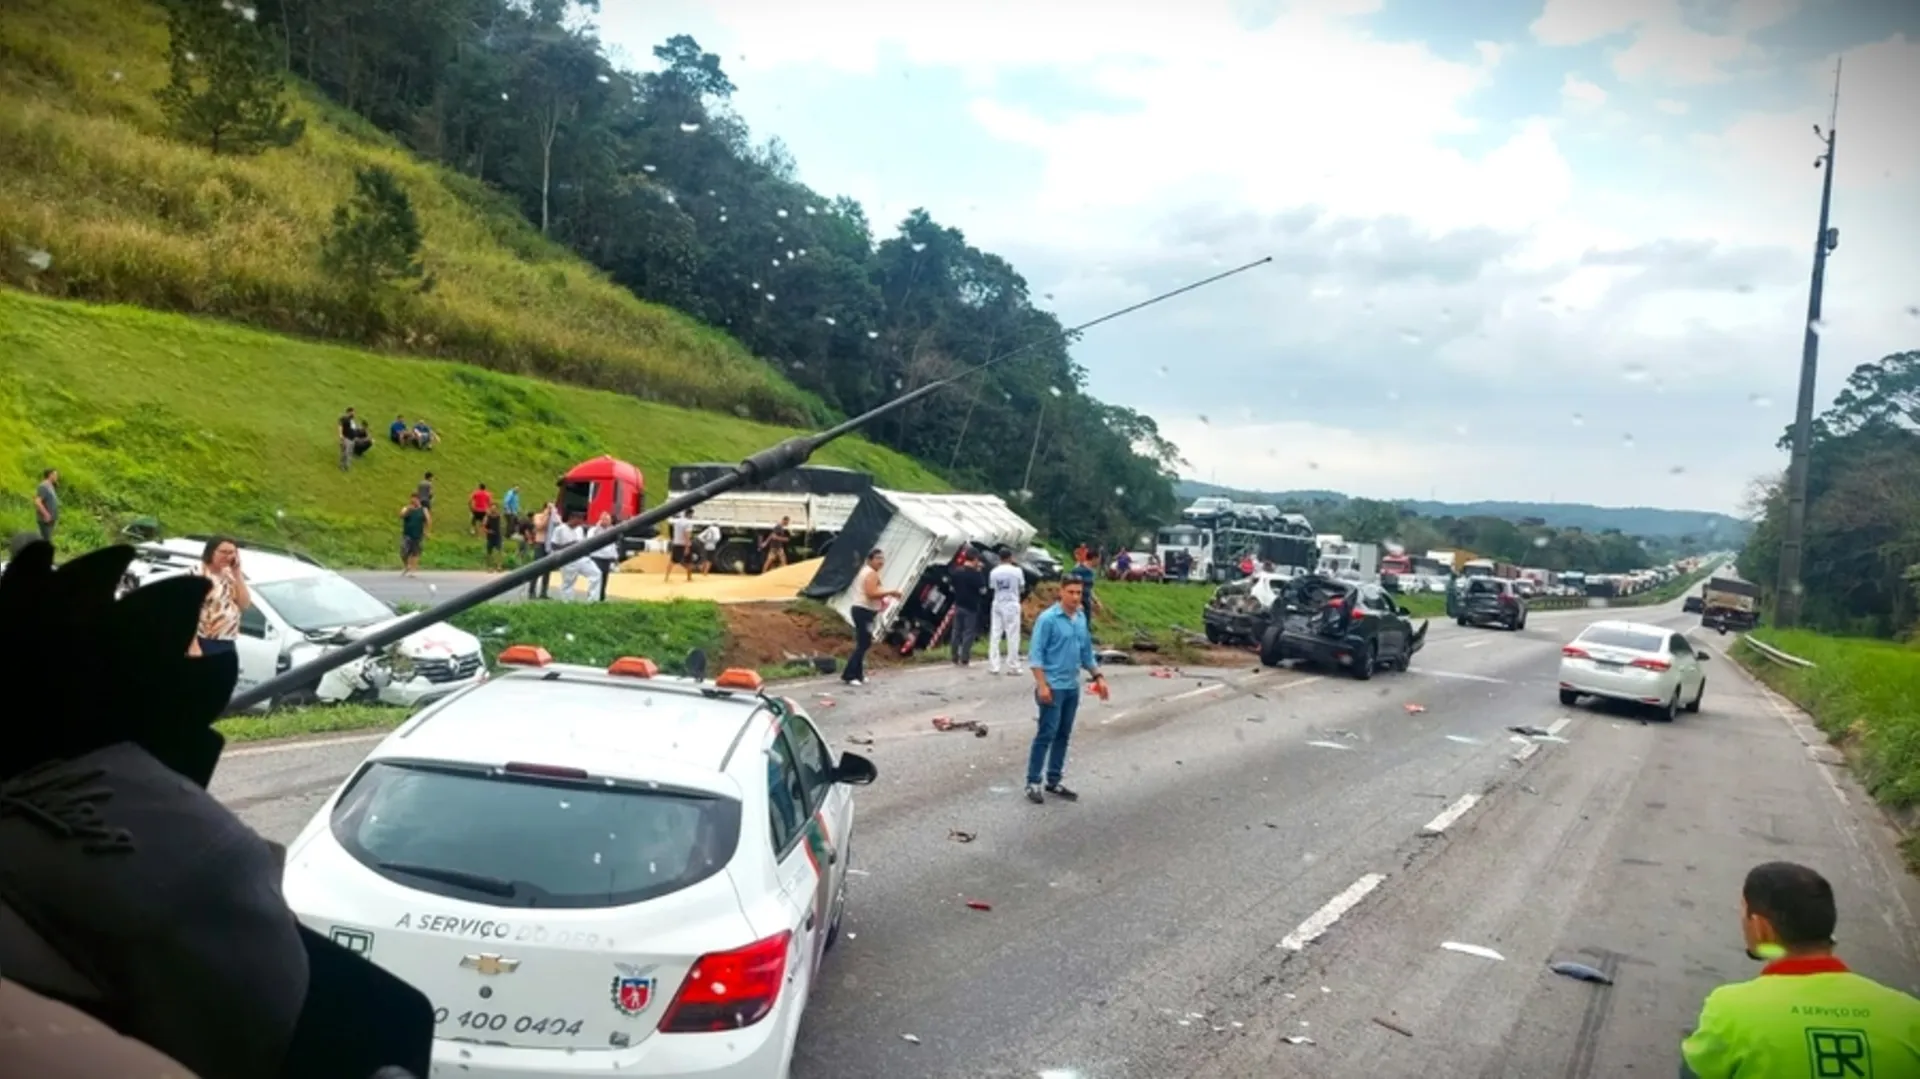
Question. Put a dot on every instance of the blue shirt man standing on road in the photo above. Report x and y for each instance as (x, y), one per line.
(1060, 649)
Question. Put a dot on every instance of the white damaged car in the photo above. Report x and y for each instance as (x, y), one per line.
(302, 610)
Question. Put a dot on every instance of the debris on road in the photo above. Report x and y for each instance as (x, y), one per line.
(1473, 949)
(959, 836)
(1414, 709)
(910, 1039)
(979, 904)
(947, 723)
(1346, 734)
(1256, 719)
(1529, 730)
(1330, 745)
(860, 739)
(1162, 672)
(1393, 1026)
(1109, 656)
(1464, 740)
(1581, 972)
(1298, 1039)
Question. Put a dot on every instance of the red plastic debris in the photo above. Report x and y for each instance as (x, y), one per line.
(979, 904)
(1414, 709)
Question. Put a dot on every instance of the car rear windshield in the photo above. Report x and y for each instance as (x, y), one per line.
(1487, 585)
(1632, 640)
(517, 841)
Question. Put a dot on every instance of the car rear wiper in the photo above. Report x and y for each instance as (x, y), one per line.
(479, 882)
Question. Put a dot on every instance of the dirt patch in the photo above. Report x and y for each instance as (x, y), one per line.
(770, 634)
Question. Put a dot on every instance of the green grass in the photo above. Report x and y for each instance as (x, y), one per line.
(596, 634)
(89, 176)
(316, 719)
(1862, 692)
(1130, 608)
(213, 427)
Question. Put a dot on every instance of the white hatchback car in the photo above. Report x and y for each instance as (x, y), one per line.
(593, 872)
(1634, 662)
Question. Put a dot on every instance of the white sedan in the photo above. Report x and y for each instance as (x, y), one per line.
(593, 872)
(1634, 662)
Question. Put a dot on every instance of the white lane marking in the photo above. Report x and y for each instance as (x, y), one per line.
(1459, 675)
(1481, 643)
(1298, 682)
(1450, 814)
(1322, 920)
(1525, 752)
(1559, 725)
(1329, 745)
(1197, 692)
(307, 743)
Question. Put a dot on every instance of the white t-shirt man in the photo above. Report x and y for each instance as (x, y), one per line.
(1005, 583)
(682, 529)
(710, 538)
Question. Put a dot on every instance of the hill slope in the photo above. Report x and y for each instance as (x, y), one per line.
(213, 427)
(97, 202)
(1644, 521)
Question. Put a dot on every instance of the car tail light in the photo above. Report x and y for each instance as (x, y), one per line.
(1507, 599)
(729, 990)
(1575, 652)
(1652, 664)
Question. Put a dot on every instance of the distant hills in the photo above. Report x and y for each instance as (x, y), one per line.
(1643, 521)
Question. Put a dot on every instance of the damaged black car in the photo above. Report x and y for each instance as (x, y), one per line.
(1330, 622)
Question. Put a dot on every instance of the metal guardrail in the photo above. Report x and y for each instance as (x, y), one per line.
(1775, 655)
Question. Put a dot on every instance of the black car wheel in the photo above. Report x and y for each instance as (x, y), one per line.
(1366, 662)
(1569, 698)
(1270, 654)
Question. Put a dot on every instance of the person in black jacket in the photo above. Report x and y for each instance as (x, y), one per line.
(127, 891)
(968, 585)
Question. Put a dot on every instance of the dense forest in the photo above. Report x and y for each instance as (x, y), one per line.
(1525, 542)
(652, 178)
(1861, 568)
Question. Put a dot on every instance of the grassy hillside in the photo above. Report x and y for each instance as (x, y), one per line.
(216, 427)
(98, 203)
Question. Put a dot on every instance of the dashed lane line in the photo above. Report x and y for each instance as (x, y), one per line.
(1322, 920)
(1450, 815)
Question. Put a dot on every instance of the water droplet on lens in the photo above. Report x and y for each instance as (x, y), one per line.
(1024, 494)
(1743, 289)
(776, 262)
(689, 127)
(1540, 541)
(828, 319)
(1163, 370)
(1676, 470)
(871, 334)
(1759, 400)
(1460, 429)
(723, 219)
(36, 258)
(643, 168)
(1914, 309)
(740, 411)
(1546, 301)
(1313, 466)
(1818, 326)
(780, 213)
(919, 247)
(769, 297)
(1120, 491)
(1635, 372)
(1055, 390)
(1411, 337)
(1627, 441)
(1205, 420)
(1393, 395)
(1579, 420)
(755, 286)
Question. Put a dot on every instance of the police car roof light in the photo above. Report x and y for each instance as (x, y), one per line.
(551, 771)
(738, 678)
(633, 667)
(525, 655)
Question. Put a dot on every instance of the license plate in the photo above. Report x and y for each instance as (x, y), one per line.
(1610, 664)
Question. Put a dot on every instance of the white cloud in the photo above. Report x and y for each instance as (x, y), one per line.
(1667, 39)
(1581, 93)
(1671, 106)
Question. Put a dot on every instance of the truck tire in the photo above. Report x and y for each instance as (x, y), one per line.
(734, 556)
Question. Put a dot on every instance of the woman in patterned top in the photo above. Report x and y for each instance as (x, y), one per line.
(228, 596)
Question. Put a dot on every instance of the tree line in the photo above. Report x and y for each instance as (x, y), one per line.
(1528, 542)
(654, 179)
(1860, 567)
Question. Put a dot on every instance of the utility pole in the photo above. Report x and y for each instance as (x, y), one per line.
(1786, 604)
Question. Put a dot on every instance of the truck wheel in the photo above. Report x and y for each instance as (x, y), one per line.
(734, 556)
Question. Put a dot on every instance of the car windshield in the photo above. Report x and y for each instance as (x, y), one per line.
(511, 840)
(1486, 585)
(1615, 637)
(324, 601)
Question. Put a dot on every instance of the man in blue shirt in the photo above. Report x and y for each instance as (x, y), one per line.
(1060, 648)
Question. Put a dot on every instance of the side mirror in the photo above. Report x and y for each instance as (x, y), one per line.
(1404, 612)
(855, 770)
(1702, 656)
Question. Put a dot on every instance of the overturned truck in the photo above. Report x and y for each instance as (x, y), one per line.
(920, 535)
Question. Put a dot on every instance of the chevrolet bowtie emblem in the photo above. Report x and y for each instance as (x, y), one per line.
(488, 963)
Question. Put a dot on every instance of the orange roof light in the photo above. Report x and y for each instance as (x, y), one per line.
(525, 655)
(633, 667)
(739, 678)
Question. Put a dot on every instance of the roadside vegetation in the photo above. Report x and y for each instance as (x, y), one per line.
(1862, 692)
(216, 428)
(596, 634)
(311, 720)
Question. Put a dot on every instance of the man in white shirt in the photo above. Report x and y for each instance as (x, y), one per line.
(709, 543)
(569, 533)
(680, 538)
(1005, 584)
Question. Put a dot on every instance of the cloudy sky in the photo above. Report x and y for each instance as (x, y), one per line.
(1530, 249)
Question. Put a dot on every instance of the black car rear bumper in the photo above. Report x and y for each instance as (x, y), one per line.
(1326, 651)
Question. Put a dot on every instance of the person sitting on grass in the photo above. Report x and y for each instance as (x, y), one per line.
(424, 436)
(399, 433)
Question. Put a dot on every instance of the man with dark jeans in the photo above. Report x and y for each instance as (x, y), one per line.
(1059, 650)
(868, 598)
(46, 503)
(968, 587)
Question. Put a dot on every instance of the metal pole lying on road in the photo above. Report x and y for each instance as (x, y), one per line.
(1786, 604)
(767, 463)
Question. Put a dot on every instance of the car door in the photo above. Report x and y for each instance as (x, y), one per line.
(802, 870)
(258, 646)
(1686, 664)
(831, 809)
(1389, 629)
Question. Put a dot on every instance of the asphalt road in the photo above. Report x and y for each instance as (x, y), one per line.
(1269, 855)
